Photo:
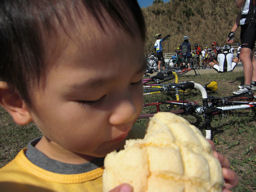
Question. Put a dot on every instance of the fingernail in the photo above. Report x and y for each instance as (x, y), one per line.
(126, 188)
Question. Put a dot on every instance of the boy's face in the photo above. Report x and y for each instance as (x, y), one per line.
(93, 92)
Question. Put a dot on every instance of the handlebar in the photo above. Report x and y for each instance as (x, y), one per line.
(186, 85)
(182, 85)
(153, 90)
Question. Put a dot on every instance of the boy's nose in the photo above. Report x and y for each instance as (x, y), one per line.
(125, 111)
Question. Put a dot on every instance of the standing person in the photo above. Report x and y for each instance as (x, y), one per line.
(185, 48)
(75, 69)
(179, 57)
(159, 49)
(247, 20)
(204, 58)
(198, 51)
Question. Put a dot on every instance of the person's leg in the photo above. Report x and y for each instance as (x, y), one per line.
(245, 57)
(248, 38)
(254, 67)
(190, 63)
(253, 83)
(212, 63)
(159, 65)
(215, 66)
(160, 60)
(158, 54)
(163, 63)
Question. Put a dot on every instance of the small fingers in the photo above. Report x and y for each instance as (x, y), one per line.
(231, 178)
(223, 160)
(226, 190)
(123, 188)
(212, 144)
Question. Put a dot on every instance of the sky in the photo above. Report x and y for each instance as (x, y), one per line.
(145, 3)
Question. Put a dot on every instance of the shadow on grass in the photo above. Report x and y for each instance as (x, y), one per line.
(228, 124)
(239, 79)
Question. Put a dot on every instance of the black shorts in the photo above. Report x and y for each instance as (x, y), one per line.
(248, 35)
(160, 56)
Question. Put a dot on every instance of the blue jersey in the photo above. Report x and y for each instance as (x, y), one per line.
(185, 48)
(158, 45)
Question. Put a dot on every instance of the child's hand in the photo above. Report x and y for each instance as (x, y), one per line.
(123, 188)
(230, 177)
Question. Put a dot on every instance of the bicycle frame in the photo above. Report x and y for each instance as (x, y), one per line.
(182, 71)
(156, 80)
(159, 87)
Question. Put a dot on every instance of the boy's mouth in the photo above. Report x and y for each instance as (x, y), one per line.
(120, 138)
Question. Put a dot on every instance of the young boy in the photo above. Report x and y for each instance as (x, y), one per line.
(74, 68)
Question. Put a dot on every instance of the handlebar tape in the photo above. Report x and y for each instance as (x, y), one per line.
(186, 85)
(152, 90)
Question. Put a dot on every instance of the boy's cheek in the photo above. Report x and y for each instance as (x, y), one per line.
(141, 101)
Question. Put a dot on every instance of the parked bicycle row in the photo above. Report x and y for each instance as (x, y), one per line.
(203, 111)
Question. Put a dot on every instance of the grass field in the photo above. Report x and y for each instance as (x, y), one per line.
(237, 142)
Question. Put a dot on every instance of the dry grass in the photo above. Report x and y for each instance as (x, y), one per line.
(203, 21)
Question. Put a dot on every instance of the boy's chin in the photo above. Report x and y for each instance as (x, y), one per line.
(114, 147)
(104, 151)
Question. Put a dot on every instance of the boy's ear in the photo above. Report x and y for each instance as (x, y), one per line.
(14, 104)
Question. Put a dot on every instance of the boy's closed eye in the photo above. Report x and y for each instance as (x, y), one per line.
(139, 82)
(92, 101)
(100, 99)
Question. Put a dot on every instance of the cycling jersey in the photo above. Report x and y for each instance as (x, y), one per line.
(158, 45)
(248, 12)
(203, 52)
(248, 24)
(198, 50)
(186, 49)
(244, 12)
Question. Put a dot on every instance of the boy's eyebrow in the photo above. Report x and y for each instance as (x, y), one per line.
(92, 83)
(98, 82)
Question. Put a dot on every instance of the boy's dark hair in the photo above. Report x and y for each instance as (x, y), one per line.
(24, 23)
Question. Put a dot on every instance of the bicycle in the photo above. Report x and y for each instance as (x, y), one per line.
(161, 77)
(203, 113)
(155, 82)
(183, 70)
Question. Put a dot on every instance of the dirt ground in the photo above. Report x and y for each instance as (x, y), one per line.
(210, 70)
